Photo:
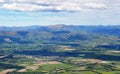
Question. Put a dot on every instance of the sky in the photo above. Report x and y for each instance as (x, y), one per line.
(51, 12)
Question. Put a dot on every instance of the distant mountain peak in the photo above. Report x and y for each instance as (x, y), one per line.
(56, 26)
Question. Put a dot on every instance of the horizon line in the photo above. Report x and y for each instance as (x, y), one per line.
(60, 24)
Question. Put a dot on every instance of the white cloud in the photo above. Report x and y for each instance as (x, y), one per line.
(53, 5)
(69, 7)
(26, 7)
(95, 5)
(1, 1)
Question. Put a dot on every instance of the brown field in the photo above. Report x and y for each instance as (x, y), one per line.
(22, 70)
(90, 61)
(36, 65)
(68, 48)
(6, 71)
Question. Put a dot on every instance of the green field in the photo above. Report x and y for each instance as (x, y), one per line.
(50, 67)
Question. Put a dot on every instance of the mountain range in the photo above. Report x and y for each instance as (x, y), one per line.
(57, 33)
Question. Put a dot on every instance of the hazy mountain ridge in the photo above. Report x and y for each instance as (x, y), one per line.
(55, 33)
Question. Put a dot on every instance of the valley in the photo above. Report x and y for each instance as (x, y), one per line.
(61, 50)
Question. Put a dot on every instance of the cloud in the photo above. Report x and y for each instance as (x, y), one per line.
(1, 1)
(95, 5)
(51, 5)
(26, 7)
